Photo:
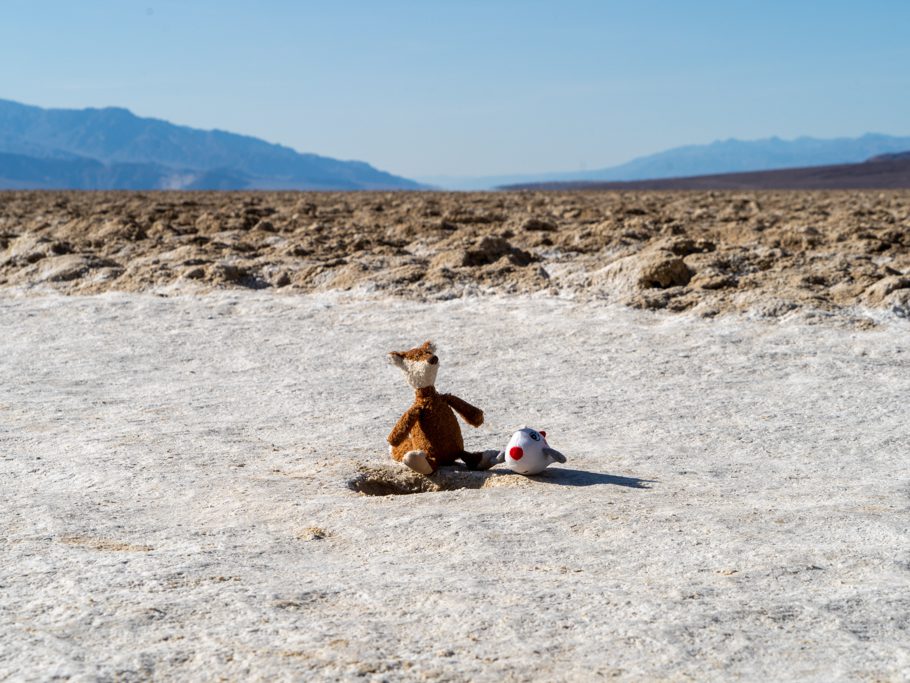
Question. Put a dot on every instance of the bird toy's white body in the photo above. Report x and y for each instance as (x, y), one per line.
(528, 452)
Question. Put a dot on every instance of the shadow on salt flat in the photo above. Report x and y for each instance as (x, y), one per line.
(569, 477)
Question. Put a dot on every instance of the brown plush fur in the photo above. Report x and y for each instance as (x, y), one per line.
(429, 425)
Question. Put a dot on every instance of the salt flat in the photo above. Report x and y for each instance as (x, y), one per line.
(175, 499)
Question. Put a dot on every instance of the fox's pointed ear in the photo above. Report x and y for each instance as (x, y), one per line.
(395, 358)
(429, 346)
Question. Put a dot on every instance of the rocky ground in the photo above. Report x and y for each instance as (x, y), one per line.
(768, 253)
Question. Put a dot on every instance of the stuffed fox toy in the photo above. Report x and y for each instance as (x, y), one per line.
(428, 435)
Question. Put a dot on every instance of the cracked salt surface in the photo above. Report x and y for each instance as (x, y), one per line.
(176, 499)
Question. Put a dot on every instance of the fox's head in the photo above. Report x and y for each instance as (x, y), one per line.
(419, 365)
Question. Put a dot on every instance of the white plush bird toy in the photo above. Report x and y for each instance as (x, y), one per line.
(528, 452)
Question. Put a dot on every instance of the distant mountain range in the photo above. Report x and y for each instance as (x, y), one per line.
(725, 156)
(112, 148)
(886, 171)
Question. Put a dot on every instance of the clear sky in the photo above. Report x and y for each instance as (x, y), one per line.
(473, 87)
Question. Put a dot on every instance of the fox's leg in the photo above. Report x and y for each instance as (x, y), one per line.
(397, 452)
(416, 458)
(482, 460)
(420, 461)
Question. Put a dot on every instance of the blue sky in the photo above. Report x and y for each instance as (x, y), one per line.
(472, 88)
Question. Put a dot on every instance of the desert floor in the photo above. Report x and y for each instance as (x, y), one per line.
(194, 482)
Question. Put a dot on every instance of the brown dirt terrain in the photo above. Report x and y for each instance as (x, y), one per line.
(766, 253)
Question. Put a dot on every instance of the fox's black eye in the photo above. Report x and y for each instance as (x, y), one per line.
(535, 436)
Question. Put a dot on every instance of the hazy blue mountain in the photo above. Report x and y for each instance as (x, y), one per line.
(18, 171)
(882, 172)
(724, 156)
(734, 156)
(178, 155)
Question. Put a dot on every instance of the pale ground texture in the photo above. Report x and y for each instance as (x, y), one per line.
(175, 496)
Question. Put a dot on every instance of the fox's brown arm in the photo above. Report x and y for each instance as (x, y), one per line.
(472, 415)
(401, 430)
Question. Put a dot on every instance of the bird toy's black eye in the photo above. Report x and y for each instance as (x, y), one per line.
(535, 436)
